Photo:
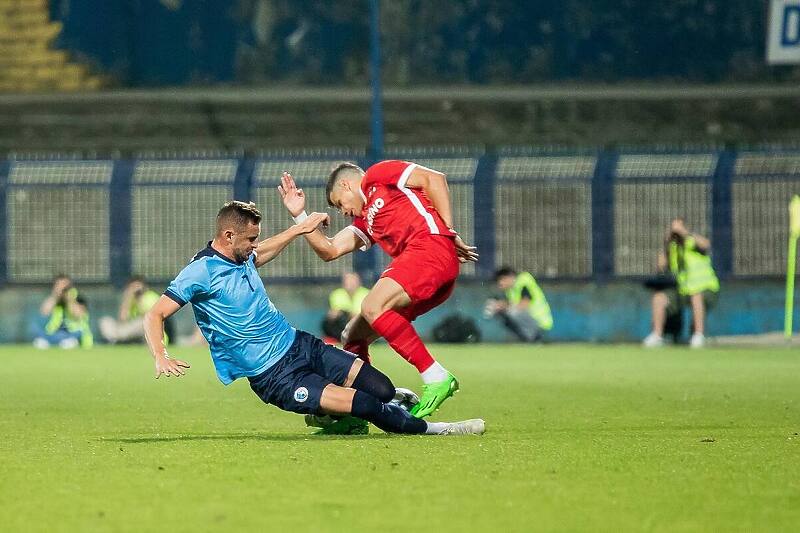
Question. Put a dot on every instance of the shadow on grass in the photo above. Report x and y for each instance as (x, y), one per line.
(242, 437)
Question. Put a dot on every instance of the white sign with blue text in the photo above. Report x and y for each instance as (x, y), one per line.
(783, 38)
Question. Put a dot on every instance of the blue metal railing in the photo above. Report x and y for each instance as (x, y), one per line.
(624, 189)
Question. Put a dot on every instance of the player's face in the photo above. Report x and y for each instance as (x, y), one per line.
(347, 199)
(505, 282)
(245, 242)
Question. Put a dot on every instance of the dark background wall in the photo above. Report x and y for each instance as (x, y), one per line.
(146, 43)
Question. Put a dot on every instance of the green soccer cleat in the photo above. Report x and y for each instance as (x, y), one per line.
(320, 421)
(433, 395)
(347, 425)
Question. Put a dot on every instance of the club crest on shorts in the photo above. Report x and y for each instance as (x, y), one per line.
(301, 394)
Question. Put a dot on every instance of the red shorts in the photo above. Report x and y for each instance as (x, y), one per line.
(427, 270)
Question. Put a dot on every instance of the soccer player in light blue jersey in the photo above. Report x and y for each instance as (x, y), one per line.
(248, 337)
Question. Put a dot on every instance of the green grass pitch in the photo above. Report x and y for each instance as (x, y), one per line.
(579, 438)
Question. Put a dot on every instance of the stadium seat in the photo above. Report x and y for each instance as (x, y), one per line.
(28, 63)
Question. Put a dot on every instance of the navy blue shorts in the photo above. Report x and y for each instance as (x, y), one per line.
(295, 383)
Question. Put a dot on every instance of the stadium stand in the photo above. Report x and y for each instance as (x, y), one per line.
(28, 61)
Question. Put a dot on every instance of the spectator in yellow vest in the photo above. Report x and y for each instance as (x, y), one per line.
(343, 304)
(686, 256)
(67, 323)
(521, 305)
(137, 299)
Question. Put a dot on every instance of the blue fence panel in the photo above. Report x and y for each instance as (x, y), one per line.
(566, 216)
(484, 225)
(120, 222)
(603, 215)
(57, 216)
(174, 208)
(763, 184)
(542, 215)
(722, 213)
(4, 167)
(650, 190)
(298, 260)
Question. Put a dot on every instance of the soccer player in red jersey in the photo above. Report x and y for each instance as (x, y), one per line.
(405, 208)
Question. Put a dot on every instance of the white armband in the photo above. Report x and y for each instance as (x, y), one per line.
(301, 217)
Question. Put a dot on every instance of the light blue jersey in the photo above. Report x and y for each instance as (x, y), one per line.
(245, 333)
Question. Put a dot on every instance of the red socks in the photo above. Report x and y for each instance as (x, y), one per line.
(400, 335)
(360, 348)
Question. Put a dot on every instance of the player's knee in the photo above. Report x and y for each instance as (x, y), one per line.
(374, 382)
(383, 388)
(660, 298)
(371, 309)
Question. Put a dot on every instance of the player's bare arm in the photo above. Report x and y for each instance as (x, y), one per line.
(702, 244)
(154, 334)
(523, 304)
(678, 227)
(75, 309)
(327, 248)
(128, 296)
(59, 288)
(330, 248)
(270, 248)
(434, 185)
(661, 262)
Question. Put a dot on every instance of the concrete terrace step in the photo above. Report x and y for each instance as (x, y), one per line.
(36, 57)
(186, 119)
(63, 72)
(32, 17)
(22, 48)
(35, 85)
(41, 32)
(24, 5)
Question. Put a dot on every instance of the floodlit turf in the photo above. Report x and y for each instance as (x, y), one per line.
(579, 437)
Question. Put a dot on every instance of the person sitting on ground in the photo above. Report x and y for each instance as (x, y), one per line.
(67, 318)
(521, 305)
(687, 258)
(344, 304)
(137, 299)
(194, 339)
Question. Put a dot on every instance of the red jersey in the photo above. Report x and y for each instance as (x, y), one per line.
(394, 214)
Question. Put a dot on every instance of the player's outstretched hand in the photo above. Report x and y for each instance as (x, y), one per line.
(465, 252)
(170, 367)
(313, 221)
(293, 198)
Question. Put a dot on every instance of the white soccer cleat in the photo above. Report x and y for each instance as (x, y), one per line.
(476, 426)
(653, 341)
(698, 340)
(406, 399)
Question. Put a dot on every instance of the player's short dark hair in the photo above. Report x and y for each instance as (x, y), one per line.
(237, 213)
(337, 172)
(504, 271)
